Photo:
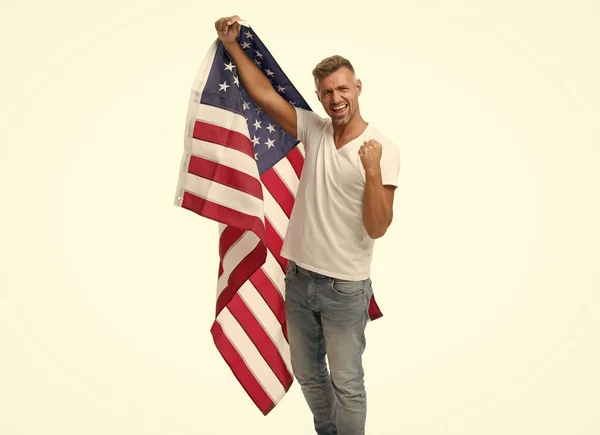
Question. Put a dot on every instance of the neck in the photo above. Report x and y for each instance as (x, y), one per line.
(343, 133)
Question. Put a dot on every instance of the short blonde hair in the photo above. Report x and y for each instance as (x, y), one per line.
(330, 65)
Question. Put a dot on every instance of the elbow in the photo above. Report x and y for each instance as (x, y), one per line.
(375, 234)
(377, 231)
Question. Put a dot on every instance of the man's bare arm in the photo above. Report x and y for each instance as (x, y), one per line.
(255, 82)
(378, 199)
(378, 204)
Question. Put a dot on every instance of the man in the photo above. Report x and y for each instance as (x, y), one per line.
(344, 201)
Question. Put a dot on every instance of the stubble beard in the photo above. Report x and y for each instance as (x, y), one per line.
(343, 121)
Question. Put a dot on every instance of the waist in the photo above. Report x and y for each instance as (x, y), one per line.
(293, 267)
(306, 272)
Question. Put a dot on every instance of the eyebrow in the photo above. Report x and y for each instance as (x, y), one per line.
(338, 87)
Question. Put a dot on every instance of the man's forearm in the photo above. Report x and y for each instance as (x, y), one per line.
(377, 208)
(254, 80)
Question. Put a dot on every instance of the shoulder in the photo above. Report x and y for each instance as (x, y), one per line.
(309, 117)
(388, 146)
(310, 126)
(390, 157)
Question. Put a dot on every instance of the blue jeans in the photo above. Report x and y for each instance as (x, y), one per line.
(327, 316)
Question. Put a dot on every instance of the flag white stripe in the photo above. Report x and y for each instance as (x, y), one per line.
(223, 195)
(273, 270)
(267, 319)
(223, 155)
(234, 255)
(194, 102)
(253, 359)
(222, 227)
(285, 171)
(202, 76)
(222, 118)
(275, 213)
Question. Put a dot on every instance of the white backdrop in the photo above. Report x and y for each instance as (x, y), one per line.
(488, 278)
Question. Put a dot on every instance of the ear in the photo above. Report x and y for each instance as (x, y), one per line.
(318, 96)
(358, 86)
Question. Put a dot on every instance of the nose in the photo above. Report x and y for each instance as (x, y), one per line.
(335, 97)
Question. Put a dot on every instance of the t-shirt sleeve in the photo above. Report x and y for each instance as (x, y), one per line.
(390, 164)
(307, 124)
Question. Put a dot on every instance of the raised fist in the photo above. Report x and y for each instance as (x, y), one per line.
(370, 156)
(228, 29)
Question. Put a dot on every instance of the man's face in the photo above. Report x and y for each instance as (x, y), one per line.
(338, 93)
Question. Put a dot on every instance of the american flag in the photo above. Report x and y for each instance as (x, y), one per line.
(241, 170)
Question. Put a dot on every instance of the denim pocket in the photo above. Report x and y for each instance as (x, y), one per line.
(348, 289)
(290, 271)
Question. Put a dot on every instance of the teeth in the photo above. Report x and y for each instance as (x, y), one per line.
(339, 107)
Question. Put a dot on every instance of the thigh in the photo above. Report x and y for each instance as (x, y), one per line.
(297, 304)
(305, 333)
(344, 316)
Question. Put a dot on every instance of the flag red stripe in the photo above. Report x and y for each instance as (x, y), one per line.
(228, 237)
(241, 371)
(279, 190)
(374, 311)
(262, 341)
(271, 296)
(223, 136)
(263, 284)
(242, 272)
(296, 160)
(275, 243)
(269, 293)
(225, 175)
(225, 215)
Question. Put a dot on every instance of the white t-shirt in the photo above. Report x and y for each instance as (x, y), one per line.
(326, 233)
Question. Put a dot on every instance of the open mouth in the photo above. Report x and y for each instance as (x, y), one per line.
(341, 108)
